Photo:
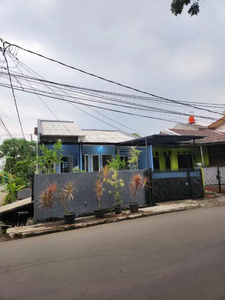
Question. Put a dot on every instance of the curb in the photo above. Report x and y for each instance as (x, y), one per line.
(74, 226)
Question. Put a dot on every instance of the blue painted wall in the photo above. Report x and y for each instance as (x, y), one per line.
(97, 149)
(69, 150)
(142, 164)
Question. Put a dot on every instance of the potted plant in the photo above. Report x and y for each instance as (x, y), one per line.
(52, 194)
(99, 212)
(116, 183)
(137, 182)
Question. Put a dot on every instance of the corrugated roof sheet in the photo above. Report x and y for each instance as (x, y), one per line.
(68, 128)
(58, 128)
(105, 136)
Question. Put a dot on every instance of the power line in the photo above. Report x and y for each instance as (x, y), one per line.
(130, 104)
(105, 79)
(5, 127)
(88, 105)
(13, 92)
(27, 68)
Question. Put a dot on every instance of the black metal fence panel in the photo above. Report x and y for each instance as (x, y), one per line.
(177, 185)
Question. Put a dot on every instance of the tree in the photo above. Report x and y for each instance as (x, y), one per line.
(177, 6)
(50, 157)
(136, 134)
(117, 164)
(134, 157)
(20, 157)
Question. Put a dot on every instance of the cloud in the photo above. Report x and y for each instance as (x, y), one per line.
(140, 44)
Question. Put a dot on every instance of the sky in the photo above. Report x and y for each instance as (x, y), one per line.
(138, 43)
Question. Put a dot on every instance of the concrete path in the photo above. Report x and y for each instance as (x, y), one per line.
(177, 256)
(10, 207)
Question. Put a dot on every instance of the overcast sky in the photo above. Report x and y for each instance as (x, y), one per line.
(138, 43)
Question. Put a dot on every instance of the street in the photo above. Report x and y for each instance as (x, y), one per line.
(173, 256)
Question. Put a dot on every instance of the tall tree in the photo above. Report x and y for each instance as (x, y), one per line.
(50, 158)
(177, 6)
(20, 157)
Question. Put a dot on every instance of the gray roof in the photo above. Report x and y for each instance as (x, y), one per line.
(68, 128)
(58, 128)
(105, 136)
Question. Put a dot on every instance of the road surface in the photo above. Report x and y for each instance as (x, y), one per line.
(174, 256)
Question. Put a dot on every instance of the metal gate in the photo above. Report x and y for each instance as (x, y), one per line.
(214, 179)
(177, 185)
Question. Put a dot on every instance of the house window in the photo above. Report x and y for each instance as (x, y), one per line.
(85, 162)
(156, 163)
(95, 163)
(105, 159)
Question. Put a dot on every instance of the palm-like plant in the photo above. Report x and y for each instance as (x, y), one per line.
(137, 182)
(99, 190)
(52, 194)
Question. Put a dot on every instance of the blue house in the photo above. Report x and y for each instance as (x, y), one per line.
(90, 150)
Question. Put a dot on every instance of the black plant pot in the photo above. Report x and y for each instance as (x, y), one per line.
(99, 213)
(134, 206)
(69, 218)
(118, 209)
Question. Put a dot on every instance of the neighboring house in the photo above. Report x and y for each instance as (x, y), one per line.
(90, 150)
(210, 150)
(219, 125)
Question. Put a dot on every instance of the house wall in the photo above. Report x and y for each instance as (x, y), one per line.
(85, 200)
(68, 150)
(180, 151)
(97, 149)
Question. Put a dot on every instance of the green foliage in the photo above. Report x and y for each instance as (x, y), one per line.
(20, 157)
(177, 7)
(49, 158)
(133, 158)
(136, 135)
(117, 164)
(4, 177)
(116, 184)
(76, 170)
(14, 185)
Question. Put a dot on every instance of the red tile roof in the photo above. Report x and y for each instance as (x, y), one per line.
(210, 136)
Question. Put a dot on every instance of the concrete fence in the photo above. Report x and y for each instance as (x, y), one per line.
(85, 200)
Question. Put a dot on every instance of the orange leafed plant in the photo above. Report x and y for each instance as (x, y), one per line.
(137, 182)
(105, 172)
(46, 197)
(53, 194)
(99, 190)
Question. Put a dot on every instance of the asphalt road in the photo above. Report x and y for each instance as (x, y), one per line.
(173, 256)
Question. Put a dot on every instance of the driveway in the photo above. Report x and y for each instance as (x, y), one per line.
(177, 256)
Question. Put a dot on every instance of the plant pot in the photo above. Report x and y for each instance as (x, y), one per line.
(134, 206)
(118, 209)
(69, 218)
(99, 213)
